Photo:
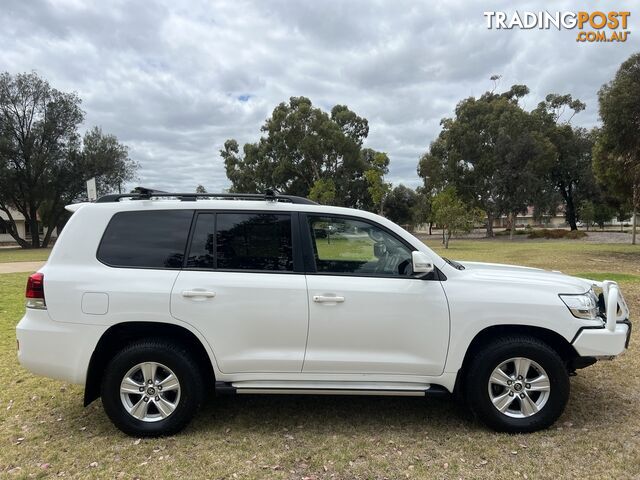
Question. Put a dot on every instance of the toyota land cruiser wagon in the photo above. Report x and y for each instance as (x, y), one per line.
(151, 300)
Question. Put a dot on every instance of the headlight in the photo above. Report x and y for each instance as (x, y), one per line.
(583, 306)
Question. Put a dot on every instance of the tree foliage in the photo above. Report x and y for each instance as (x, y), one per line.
(44, 163)
(376, 186)
(308, 152)
(423, 209)
(587, 213)
(400, 204)
(569, 174)
(617, 148)
(492, 152)
(451, 213)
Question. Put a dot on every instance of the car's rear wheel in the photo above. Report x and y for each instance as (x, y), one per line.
(152, 388)
(517, 384)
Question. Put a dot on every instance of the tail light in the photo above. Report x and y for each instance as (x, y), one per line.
(35, 291)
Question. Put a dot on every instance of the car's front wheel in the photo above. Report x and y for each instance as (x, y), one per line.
(517, 384)
(152, 388)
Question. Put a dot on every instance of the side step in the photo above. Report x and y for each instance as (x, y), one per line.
(228, 388)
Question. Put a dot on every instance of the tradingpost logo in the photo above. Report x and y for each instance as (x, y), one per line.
(592, 27)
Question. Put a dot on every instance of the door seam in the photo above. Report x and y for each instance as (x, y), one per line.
(306, 344)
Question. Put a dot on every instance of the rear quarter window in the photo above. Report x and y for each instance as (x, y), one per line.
(146, 239)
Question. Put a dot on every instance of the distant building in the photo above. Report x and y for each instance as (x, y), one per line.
(557, 220)
(22, 227)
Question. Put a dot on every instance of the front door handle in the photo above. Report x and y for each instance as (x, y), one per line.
(198, 293)
(327, 299)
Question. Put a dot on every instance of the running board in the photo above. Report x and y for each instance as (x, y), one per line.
(329, 388)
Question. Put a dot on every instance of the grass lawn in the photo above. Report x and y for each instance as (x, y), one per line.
(18, 254)
(341, 248)
(45, 431)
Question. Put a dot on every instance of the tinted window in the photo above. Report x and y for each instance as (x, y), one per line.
(249, 241)
(201, 253)
(346, 246)
(154, 239)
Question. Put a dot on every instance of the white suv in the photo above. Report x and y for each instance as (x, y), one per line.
(150, 300)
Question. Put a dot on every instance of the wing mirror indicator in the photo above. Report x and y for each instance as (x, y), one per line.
(421, 263)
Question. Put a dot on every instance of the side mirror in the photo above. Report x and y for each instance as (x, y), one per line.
(421, 264)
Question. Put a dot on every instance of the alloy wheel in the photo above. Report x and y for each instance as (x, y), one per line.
(519, 387)
(150, 391)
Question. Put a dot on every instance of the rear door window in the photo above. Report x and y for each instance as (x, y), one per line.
(146, 239)
(242, 241)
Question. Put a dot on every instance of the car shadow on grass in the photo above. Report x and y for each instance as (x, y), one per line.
(331, 414)
(591, 406)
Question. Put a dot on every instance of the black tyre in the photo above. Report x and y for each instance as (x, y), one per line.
(517, 384)
(152, 388)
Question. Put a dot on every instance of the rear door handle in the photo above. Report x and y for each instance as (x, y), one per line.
(198, 293)
(327, 299)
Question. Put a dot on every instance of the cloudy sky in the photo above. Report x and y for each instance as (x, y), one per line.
(173, 80)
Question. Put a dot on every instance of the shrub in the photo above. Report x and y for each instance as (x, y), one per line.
(557, 233)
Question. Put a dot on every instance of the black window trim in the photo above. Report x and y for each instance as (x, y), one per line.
(135, 267)
(192, 229)
(298, 267)
(310, 261)
(301, 244)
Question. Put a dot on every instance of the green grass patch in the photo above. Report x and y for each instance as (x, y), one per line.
(17, 254)
(616, 277)
(341, 248)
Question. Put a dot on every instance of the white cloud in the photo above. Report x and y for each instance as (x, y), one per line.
(174, 80)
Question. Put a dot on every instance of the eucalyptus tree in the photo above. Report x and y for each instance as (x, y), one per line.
(44, 162)
(306, 151)
(617, 148)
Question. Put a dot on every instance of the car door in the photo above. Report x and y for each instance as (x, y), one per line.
(244, 291)
(367, 313)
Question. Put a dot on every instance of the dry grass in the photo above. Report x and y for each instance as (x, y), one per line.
(557, 233)
(17, 254)
(45, 431)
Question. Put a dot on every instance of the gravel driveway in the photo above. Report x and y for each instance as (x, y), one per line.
(15, 267)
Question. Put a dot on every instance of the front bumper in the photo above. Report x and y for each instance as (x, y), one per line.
(602, 342)
(56, 349)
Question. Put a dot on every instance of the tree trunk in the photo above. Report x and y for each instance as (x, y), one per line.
(51, 226)
(570, 210)
(430, 227)
(443, 240)
(10, 226)
(512, 225)
(447, 235)
(50, 229)
(489, 225)
(636, 201)
(33, 227)
(570, 213)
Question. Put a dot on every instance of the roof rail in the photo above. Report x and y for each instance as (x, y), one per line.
(141, 193)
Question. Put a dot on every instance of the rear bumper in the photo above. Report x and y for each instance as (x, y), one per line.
(602, 342)
(56, 349)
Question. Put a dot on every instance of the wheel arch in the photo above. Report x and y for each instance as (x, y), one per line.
(119, 335)
(556, 341)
